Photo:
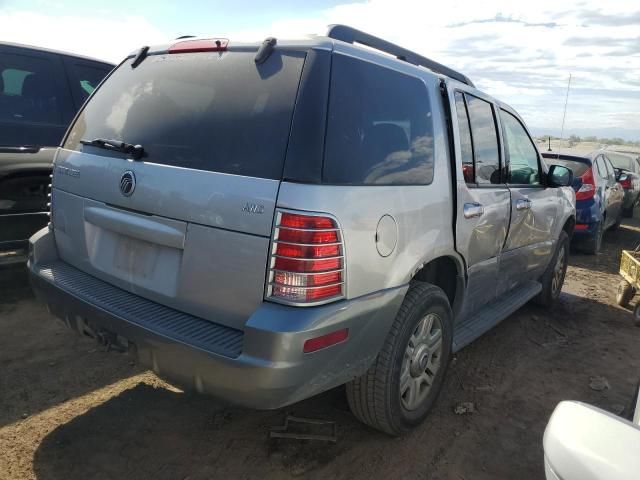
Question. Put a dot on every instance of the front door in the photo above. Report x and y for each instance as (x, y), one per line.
(483, 203)
(534, 208)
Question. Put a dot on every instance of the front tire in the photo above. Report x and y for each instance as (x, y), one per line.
(399, 389)
(553, 278)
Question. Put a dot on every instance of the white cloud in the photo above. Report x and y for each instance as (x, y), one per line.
(520, 52)
(523, 57)
(99, 37)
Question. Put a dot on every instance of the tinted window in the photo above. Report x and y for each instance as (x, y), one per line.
(485, 140)
(379, 126)
(466, 148)
(602, 170)
(203, 111)
(28, 93)
(610, 171)
(86, 78)
(524, 168)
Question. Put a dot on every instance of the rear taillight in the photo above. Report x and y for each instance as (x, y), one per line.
(200, 45)
(626, 183)
(588, 188)
(306, 266)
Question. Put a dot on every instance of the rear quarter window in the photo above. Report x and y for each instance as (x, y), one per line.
(379, 126)
(203, 111)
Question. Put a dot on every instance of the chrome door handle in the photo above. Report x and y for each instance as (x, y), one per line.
(472, 210)
(523, 204)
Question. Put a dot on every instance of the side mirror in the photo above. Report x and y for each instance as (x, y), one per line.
(559, 176)
(622, 177)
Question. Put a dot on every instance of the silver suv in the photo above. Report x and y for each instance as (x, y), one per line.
(265, 222)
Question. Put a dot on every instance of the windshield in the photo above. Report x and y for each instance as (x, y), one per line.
(205, 111)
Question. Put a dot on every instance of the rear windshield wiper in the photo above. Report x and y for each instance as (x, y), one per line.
(136, 151)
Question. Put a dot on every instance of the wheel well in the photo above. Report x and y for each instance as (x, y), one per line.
(442, 272)
(569, 226)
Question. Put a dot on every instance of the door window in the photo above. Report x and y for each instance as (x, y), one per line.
(602, 170)
(484, 140)
(87, 78)
(464, 132)
(610, 171)
(28, 93)
(524, 166)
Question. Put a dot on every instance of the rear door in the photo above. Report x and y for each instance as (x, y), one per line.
(482, 219)
(534, 208)
(189, 224)
(35, 108)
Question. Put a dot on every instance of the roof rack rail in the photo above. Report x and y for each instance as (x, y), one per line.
(352, 35)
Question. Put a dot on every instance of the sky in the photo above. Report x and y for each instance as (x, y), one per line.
(520, 52)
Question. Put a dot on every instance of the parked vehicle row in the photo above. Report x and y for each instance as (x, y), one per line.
(260, 223)
(40, 92)
(599, 195)
(628, 168)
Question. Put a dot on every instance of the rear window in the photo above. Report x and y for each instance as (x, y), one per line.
(578, 168)
(205, 111)
(379, 126)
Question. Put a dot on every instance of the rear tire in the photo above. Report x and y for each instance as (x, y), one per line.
(625, 293)
(399, 389)
(553, 278)
(636, 315)
(616, 225)
(592, 245)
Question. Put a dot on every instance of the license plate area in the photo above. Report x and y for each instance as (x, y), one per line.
(135, 257)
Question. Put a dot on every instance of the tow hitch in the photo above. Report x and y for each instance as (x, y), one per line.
(112, 341)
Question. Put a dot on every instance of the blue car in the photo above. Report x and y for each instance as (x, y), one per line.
(599, 196)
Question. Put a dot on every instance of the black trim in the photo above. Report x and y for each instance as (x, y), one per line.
(348, 34)
(305, 151)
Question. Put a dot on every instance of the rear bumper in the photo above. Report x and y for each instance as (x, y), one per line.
(262, 366)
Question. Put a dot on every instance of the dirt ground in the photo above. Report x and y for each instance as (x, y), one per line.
(69, 410)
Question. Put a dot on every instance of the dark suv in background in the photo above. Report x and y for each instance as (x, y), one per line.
(40, 92)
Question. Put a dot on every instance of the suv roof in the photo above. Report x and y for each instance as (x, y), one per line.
(58, 52)
(344, 34)
(347, 36)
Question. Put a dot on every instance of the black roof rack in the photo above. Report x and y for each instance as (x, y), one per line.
(352, 35)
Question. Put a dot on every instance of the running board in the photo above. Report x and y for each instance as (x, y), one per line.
(492, 314)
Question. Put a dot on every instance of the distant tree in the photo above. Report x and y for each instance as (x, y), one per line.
(590, 138)
(617, 141)
(574, 138)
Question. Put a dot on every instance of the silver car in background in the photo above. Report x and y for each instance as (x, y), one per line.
(263, 222)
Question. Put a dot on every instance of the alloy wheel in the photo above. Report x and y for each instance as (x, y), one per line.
(422, 361)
